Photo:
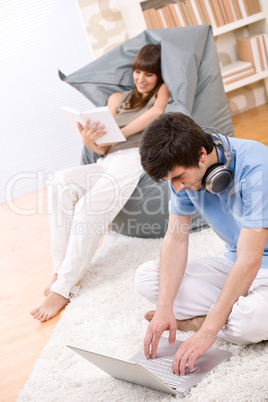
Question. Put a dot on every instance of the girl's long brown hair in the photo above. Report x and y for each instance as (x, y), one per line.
(147, 59)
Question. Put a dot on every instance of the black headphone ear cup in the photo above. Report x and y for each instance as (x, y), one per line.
(209, 170)
(217, 178)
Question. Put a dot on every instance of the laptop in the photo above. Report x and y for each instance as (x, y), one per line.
(156, 373)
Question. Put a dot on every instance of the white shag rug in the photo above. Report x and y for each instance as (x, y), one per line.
(107, 317)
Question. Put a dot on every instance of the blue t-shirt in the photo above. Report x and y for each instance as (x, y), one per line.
(244, 204)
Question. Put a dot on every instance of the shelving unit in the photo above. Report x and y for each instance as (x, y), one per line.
(225, 35)
(238, 24)
(246, 81)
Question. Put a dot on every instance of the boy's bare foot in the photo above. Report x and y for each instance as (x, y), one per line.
(192, 324)
(47, 289)
(149, 315)
(51, 306)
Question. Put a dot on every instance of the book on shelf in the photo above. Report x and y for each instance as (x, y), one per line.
(227, 11)
(161, 19)
(264, 40)
(197, 12)
(174, 14)
(210, 14)
(236, 8)
(254, 49)
(243, 8)
(253, 6)
(149, 16)
(217, 12)
(236, 71)
(148, 19)
(203, 11)
(230, 10)
(168, 16)
(178, 16)
(184, 11)
(238, 76)
(191, 14)
(156, 18)
(262, 49)
(223, 11)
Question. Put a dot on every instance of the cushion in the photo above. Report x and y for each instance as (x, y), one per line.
(191, 71)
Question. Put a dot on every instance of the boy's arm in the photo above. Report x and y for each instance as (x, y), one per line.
(173, 260)
(250, 247)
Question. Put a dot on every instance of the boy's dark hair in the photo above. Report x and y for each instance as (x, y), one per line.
(171, 140)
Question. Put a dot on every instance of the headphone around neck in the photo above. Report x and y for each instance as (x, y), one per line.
(218, 176)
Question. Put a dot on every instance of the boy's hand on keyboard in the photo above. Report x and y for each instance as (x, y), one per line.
(191, 349)
(161, 321)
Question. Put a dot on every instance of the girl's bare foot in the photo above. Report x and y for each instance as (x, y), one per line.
(51, 306)
(47, 289)
(192, 324)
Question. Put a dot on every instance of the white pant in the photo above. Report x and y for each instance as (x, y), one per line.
(199, 290)
(82, 202)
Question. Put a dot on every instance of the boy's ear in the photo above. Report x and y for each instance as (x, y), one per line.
(203, 155)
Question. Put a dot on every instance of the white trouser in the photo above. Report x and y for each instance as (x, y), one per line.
(82, 202)
(199, 290)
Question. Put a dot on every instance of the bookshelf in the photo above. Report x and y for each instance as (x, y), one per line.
(246, 81)
(225, 35)
(238, 24)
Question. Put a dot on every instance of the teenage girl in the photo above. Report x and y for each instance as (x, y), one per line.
(83, 201)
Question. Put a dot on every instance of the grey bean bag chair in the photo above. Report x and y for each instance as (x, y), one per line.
(190, 69)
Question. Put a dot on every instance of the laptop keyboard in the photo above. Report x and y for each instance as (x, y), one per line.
(161, 368)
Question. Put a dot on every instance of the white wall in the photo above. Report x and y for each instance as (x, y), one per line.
(38, 37)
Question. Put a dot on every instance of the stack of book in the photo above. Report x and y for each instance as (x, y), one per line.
(255, 50)
(236, 71)
(197, 12)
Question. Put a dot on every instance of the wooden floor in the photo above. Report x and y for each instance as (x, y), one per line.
(26, 268)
